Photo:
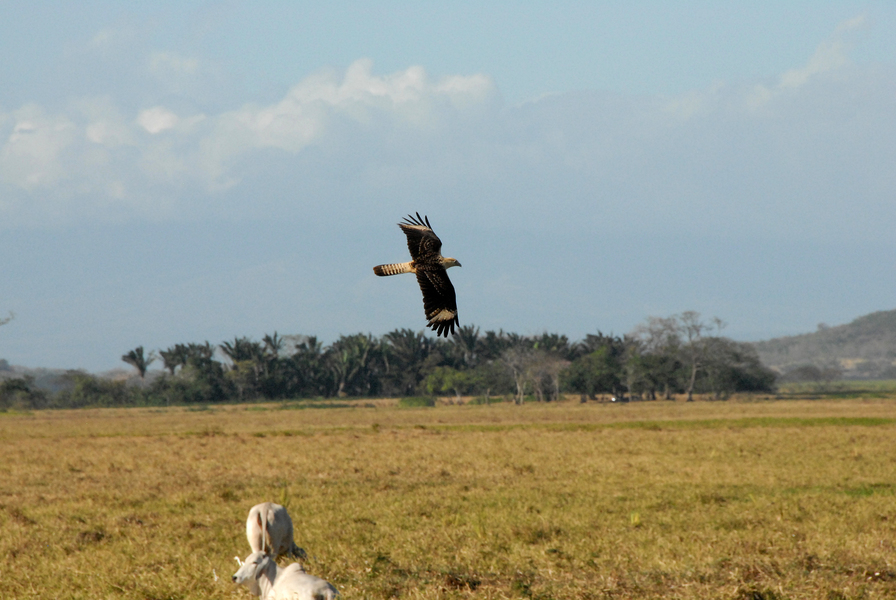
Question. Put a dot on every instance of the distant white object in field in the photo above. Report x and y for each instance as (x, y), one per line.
(269, 529)
(265, 578)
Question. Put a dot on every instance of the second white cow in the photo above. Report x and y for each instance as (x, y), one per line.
(265, 578)
(269, 529)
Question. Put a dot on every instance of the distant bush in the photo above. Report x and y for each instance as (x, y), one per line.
(85, 390)
(190, 386)
(416, 402)
(21, 394)
(811, 373)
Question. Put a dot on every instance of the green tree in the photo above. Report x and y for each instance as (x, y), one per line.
(409, 356)
(519, 360)
(307, 369)
(600, 371)
(466, 342)
(140, 361)
(668, 352)
(353, 365)
(201, 379)
(554, 344)
(248, 364)
(492, 377)
(654, 355)
(85, 390)
(486, 379)
(273, 379)
(21, 393)
(493, 344)
(448, 379)
(174, 357)
(544, 373)
(242, 349)
(693, 347)
(730, 366)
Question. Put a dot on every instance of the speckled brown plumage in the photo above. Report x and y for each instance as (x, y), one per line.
(439, 300)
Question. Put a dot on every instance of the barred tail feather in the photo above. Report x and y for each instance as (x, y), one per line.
(393, 269)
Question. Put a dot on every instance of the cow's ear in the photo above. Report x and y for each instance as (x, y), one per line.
(260, 568)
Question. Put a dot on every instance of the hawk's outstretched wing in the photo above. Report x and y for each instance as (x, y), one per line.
(424, 244)
(439, 300)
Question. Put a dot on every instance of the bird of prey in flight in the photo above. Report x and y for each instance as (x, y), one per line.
(439, 301)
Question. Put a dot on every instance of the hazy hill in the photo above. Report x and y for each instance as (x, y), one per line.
(53, 380)
(863, 349)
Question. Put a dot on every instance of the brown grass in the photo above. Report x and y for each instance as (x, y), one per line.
(736, 500)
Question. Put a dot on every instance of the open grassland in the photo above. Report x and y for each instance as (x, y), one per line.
(880, 388)
(740, 500)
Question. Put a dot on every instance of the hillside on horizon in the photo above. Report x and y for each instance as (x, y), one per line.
(862, 349)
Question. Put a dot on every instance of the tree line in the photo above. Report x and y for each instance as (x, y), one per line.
(680, 354)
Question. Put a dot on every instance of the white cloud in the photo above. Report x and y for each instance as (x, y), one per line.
(105, 125)
(702, 159)
(167, 63)
(183, 77)
(303, 116)
(30, 155)
(106, 133)
(104, 37)
(407, 95)
(465, 92)
(694, 103)
(828, 56)
(157, 119)
(115, 40)
(93, 155)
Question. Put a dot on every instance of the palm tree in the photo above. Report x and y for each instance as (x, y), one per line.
(273, 344)
(411, 357)
(273, 377)
(175, 357)
(138, 360)
(243, 349)
(493, 344)
(467, 342)
(307, 369)
(352, 365)
(553, 343)
(199, 353)
(248, 366)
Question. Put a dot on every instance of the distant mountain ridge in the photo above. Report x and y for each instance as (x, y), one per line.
(862, 349)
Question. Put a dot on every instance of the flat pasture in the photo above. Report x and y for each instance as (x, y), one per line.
(736, 500)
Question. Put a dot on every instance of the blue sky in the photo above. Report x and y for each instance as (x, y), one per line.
(197, 171)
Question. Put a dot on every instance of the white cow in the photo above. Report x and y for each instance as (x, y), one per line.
(269, 529)
(265, 578)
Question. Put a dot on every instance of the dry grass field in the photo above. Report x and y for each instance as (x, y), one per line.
(731, 500)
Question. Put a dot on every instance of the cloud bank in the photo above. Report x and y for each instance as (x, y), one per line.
(93, 155)
(811, 147)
